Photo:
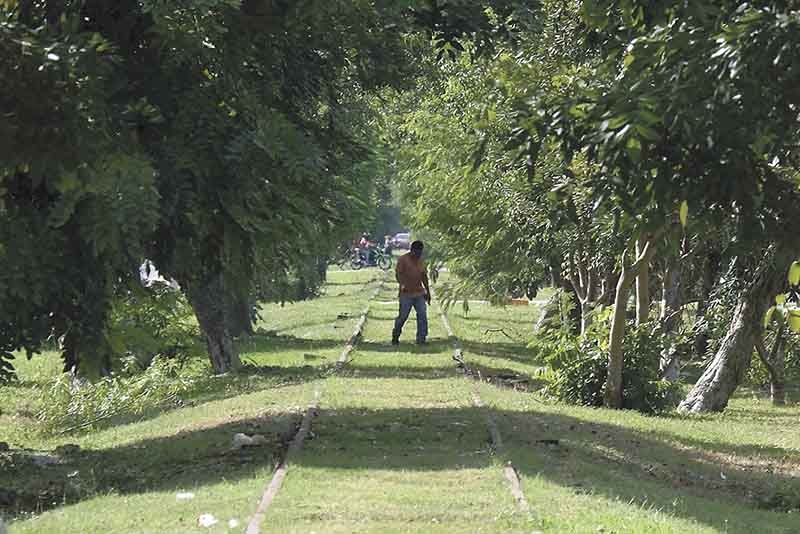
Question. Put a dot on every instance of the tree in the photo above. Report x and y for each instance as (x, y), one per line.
(238, 129)
(725, 155)
(76, 193)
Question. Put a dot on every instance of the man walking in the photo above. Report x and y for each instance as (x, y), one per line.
(414, 292)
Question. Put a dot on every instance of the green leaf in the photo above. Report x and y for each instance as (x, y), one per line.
(629, 59)
(794, 322)
(683, 213)
(794, 273)
(634, 147)
(617, 122)
(780, 300)
(647, 133)
(768, 316)
(67, 182)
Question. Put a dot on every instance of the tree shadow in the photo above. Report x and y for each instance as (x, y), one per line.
(267, 343)
(617, 463)
(517, 352)
(433, 346)
(508, 350)
(495, 376)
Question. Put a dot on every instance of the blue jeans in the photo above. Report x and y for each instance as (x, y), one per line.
(419, 304)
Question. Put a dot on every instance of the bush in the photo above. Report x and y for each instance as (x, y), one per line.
(579, 367)
(71, 405)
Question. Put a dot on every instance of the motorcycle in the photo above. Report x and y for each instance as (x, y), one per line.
(381, 258)
(346, 257)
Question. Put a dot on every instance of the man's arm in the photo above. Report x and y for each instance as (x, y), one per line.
(426, 284)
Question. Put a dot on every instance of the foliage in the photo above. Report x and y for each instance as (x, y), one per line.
(70, 405)
(212, 137)
(152, 322)
(297, 283)
(758, 375)
(76, 193)
(782, 324)
(578, 366)
(643, 388)
(559, 153)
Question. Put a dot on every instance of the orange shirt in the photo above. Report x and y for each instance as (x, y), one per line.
(411, 275)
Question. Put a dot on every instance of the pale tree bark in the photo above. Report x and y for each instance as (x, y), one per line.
(713, 390)
(613, 391)
(582, 280)
(550, 312)
(590, 289)
(628, 275)
(642, 287)
(208, 299)
(670, 315)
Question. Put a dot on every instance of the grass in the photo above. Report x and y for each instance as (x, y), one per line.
(398, 445)
(735, 472)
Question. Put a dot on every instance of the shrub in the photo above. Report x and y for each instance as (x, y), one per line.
(70, 405)
(578, 366)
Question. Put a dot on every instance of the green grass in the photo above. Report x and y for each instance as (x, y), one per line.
(733, 472)
(398, 445)
(137, 467)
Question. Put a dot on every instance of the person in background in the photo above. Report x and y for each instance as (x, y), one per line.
(367, 249)
(415, 292)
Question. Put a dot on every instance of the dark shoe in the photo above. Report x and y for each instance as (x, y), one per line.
(395, 341)
(422, 342)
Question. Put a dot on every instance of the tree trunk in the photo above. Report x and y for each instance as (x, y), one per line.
(572, 320)
(555, 272)
(550, 314)
(239, 316)
(209, 302)
(613, 392)
(322, 268)
(721, 378)
(642, 288)
(670, 316)
(710, 270)
(586, 315)
(70, 353)
(583, 287)
(629, 274)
